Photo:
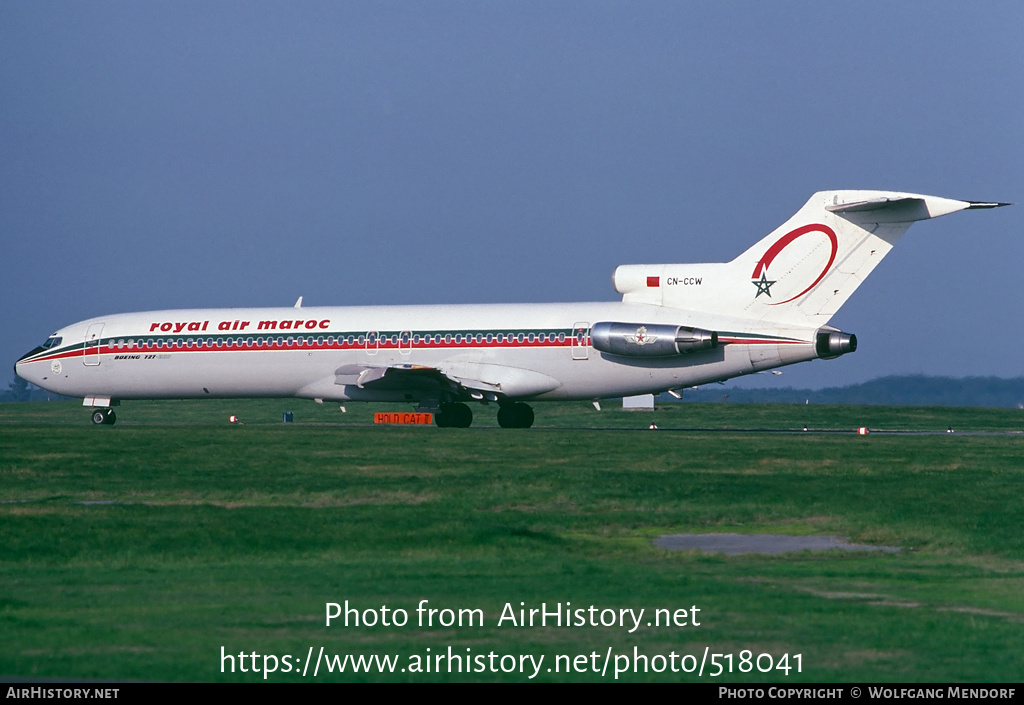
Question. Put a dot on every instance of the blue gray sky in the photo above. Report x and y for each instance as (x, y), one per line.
(203, 154)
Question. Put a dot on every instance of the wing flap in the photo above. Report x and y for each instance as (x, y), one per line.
(500, 379)
(458, 378)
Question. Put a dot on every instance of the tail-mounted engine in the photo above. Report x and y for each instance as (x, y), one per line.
(833, 343)
(650, 339)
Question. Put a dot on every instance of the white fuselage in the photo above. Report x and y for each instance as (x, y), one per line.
(528, 351)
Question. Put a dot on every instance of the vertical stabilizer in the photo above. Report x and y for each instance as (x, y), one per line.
(801, 273)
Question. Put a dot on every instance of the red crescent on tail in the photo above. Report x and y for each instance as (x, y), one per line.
(785, 241)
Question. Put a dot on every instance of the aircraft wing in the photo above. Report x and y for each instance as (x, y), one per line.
(460, 379)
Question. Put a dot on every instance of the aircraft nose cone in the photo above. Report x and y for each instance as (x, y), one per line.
(21, 367)
(28, 355)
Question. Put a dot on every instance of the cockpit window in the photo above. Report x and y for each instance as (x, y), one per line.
(52, 342)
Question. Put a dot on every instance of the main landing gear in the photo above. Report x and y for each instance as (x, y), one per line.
(459, 415)
(104, 417)
(454, 415)
(515, 415)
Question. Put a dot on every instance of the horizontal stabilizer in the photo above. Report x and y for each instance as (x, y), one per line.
(869, 205)
(904, 208)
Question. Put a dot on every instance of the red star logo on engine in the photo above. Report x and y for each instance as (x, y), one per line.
(641, 337)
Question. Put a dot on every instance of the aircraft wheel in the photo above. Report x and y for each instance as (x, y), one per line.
(524, 414)
(455, 415)
(517, 415)
(463, 416)
(104, 417)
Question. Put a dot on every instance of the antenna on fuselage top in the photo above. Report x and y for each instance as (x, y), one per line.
(298, 303)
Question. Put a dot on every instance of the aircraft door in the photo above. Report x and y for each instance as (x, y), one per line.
(405, 342)
(580, 340)
(372, 341)
(91, 349)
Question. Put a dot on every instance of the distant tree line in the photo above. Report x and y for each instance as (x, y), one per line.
(20, 390)
(906, 390)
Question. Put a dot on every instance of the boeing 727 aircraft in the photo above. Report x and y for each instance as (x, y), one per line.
(678, 325)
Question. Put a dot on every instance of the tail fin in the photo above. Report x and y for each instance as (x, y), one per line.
(803, 271)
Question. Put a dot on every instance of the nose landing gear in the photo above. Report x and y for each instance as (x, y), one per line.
(104, 417)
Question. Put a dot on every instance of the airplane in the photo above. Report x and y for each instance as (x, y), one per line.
(677, 326)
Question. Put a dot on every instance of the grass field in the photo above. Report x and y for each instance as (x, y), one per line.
(138, 551)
